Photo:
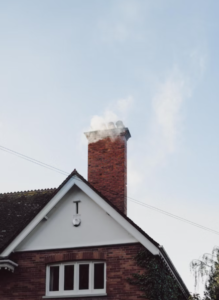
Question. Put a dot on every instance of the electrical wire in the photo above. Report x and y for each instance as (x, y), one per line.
(173, 216)
(40, 163)
(30, 159)
(166, 213)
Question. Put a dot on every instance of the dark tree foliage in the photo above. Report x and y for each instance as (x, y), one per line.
(212, 285)
(156, 281)
(208, 267)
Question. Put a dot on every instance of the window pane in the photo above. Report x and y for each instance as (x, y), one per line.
(54, 279)
(69, 278)
(98, 276)
(83, 277)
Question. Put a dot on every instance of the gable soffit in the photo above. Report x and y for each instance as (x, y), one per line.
(108, 208)
(123, 220)
(75, 222)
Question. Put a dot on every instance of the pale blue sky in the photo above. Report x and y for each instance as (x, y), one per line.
(66, 65)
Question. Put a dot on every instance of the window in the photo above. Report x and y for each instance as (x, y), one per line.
(76, 278)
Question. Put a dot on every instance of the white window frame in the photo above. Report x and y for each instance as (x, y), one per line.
(76, 292)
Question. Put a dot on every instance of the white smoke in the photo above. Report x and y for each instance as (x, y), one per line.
(98, 122)
(118, 110)
(167, 105)
(166, 124)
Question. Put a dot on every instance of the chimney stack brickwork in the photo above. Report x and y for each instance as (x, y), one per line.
(107, 165)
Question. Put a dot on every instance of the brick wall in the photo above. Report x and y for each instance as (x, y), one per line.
(107, 169)
(28, 280)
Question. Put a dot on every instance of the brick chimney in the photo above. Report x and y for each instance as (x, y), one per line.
(107, 162)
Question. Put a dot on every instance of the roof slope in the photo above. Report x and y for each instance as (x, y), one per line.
(17, 210)
(111, 204)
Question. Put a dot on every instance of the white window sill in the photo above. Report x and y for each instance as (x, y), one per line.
(74, 296)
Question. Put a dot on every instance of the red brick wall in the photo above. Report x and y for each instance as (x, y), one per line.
(28, 280)
(107, 169)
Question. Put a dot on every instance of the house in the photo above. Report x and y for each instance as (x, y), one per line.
(76, 241)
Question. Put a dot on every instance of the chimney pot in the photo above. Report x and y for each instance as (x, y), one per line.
(119, 124)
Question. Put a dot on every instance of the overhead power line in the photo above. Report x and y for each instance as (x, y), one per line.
(167, 213)
(34, 161)
(173, 216)
(40, 163)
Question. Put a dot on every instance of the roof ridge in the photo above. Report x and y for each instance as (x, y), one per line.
(28, 191)
(74, 172)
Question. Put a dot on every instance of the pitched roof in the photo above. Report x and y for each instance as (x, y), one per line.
(17, 210)
(111, 204)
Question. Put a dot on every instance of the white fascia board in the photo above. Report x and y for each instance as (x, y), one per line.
(7, 264)
(96, 198)
(117, 217)
(41, 215)
(8, 261)
(125, 224)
